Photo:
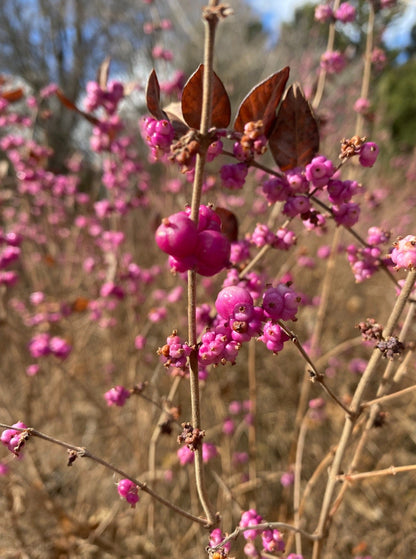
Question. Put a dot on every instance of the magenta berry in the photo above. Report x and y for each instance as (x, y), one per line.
(207, 218)
(129, 491)
(12, 438)
(273, 336)
(117, 396)
(212, 252)
(345, 13)
(250, 518)
(333, 62)
(319, 171)
(185, 455)
(177, 235)
(280, 303)
(368, 154)
(216, 537)
(231, 299)
(272, 541)
(323, 13)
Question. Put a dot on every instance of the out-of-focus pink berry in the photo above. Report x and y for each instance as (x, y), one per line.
(32, 370)
(139, 342)
(333, 62)
(117, 396)
(272, 541)
(345, 13)
(216, 537)
(233, 176)
(185, 455)
(250, 518)
(323, 13)
(209, 451)
(228, 427)
(287, 479)
(362, 105)
(403, 254)
(378, 58)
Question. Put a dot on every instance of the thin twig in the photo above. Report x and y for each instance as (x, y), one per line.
(83, 452)
(391, 471)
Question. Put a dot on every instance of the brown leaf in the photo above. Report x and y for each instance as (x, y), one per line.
(229, 223)
(72, 107)
(174, 113)
(294, 140)
(103, 71)
(153, 97)
(192, 101)
(262, 101)
(13, 95)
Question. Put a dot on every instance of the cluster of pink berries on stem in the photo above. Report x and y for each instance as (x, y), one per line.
(203, 247)
(129, 491)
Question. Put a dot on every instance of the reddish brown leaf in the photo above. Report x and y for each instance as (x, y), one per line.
(72, 107)
(13, 95)
(192, 101)
(262, 101)
(153, 97)
(229, 223)
(294, 140)
(103, 71)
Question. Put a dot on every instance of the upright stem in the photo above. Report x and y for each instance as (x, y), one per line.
(322, 74)
(211, 21)
(365, 84)
(355, 406)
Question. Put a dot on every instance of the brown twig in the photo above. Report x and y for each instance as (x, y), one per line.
(83, 452)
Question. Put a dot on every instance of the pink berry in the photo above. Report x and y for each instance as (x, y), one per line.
(231, 298)
(177, 235)
(368, 154)
(129, 491)
(404, 253)
(212, 252)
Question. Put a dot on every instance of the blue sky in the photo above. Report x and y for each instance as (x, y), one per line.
(273, 12)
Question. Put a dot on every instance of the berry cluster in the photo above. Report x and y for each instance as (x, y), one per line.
(43, 344)
(272, 540)
(108, 98)
(403, 254)
(201, 247)
(365, 261)
(129, 491)
(13, 439)
(345, 13)
(158, 135)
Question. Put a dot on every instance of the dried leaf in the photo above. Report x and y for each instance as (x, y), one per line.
(72, 107)
(262, 101)
(229, 223)
(192, 101)
(294, 140)
(13, 95)
(103, 71)
(153, 97)
(174, 113)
